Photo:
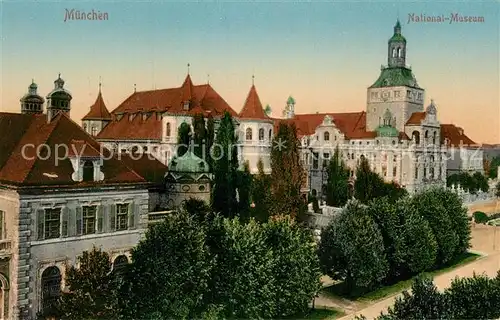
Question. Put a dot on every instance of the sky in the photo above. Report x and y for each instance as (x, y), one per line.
(323, 53)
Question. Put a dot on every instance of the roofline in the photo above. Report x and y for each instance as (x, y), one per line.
(73, 187)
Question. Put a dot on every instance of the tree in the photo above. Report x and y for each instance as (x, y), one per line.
(287, 173)
(199, 135)
(242, 281)
(409, 243)
(170, 272)
(210, 137)
(481, 181)
(493, 172)
(225, 169)
(477, 297)
(368, 184)
(431, 205)
(92, 288)
(244, 192)
(425, 302)
(497, 189)
(337, 187)
(184, 137)
(260, 194)
(295, 269)
(352, 249)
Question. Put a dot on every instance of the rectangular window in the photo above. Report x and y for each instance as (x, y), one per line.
(394, 171)
(315, 160)
(408, 94)
(122, 216)
(89, 219)
(397, 94)
(52, 223)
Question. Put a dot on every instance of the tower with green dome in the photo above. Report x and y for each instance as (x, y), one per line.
(396, 89)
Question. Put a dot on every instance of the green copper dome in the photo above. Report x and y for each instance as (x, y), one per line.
(395, 77)
(387, 131)
(290, 100)
(189, 162)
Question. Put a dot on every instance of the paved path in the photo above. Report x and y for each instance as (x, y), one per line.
(485, 239)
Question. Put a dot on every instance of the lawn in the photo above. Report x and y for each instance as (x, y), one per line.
(339, 290)
(320, 314)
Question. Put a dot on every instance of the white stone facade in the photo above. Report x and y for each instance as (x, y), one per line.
(115, 222)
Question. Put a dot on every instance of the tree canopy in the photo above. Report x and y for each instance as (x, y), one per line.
(337, 186)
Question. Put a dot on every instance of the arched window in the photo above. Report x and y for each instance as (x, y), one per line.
(394, 52)
(94, 131)
(416, 137)
(120, 263)
(399, 52)
(426, 136)
(249, 134)
(434, 138)
(261, 134)
(88, 171)
(270, 134)
(168, 130)
(51, 287)
(326, 136)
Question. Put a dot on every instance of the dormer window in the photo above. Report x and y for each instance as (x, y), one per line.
(186, 105)
(326, 136)
(88, 171)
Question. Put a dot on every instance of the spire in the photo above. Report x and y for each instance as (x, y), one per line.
(252, 109)
(98, 110)
(208, 78)
(187, 89)
(397, 27)
(135, 88)
(100, 84)
(59, 83)
(253, 79)
(188, 67)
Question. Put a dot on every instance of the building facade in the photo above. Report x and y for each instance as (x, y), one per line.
(60, 194)
(402, 139)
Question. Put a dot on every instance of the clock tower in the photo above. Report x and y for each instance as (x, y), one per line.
(396, 89)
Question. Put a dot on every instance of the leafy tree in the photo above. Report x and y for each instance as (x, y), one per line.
(481, 181)
(225, 169)
(409, 243)
(477, 297)
(184, 136)
(243, 281)
(170, 271)
(199, 135)
(425, 302)
(92, 288)
(368, 185)
(394, 191)
(287, 173)
(295, 268)
(260, 194)
(493, 167)
(244, 192)
(209, 139)
(430, 205)
(352, 249)
(337, 187)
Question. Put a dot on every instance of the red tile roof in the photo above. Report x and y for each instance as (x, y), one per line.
(416, 118)
(202, 99)
(252, 109)
(147, 166)
(351, 124)
(98, 110)
(133, 129)
(455, 136)
(24, 133)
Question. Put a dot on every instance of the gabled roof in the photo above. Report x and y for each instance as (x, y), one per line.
(416, 118)
(20, 136)
(147, 166)
(172, 100)
(455, 136)
(98, 110)
(252, 109)
(351, 124)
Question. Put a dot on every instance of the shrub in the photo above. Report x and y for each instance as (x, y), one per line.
(480, 217)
